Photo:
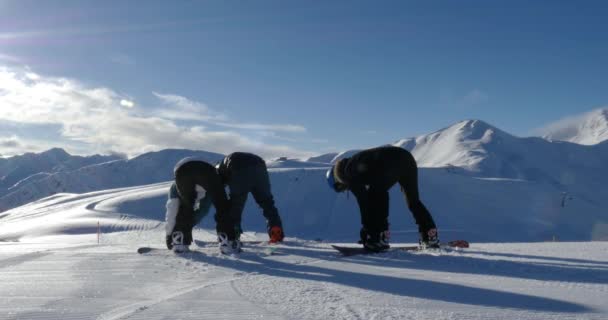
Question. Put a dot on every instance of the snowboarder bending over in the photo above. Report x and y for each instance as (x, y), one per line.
(370, 174)
(244, 173)
(197, 185)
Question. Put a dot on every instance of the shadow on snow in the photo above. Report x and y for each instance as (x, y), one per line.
(425, 289)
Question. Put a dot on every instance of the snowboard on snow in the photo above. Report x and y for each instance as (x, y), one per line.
(268, 248)
(351, 251)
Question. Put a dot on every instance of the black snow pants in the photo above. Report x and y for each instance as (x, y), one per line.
(203, 174)
(252, 177)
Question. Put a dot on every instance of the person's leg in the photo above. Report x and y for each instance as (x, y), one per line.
(423, 218)
(237, 205)
(377, 222)
(184, 221)
(262, 194)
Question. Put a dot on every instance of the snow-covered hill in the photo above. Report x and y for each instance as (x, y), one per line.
(478, 181)
(54, 267)
(57, 269)
(478, 209)
(35, 166)
(588, 129)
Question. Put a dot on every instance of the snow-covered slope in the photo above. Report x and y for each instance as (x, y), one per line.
(324, 158)
(588, 129)
(54, 268)
(58, 270)
(477, 180)
(294, 163)
(478, 209)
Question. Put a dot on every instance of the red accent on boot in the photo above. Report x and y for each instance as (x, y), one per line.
(276, 234)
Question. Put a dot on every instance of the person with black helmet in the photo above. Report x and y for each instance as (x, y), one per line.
(369, 174)
(246, 173)
(197, 185)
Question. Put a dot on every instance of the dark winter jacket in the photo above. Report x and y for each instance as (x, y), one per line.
(235, 162)
(380, 167)
(369, 174)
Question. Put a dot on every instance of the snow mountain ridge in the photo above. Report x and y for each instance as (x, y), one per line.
(479, 182)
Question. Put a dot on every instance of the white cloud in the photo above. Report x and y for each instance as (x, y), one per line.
(15, 145)
(103, 120)
(181, 108)
(127, 103)
(10, 142)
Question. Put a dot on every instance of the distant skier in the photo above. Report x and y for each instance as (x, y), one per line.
(369, 174)
(243, 173)
(197, 185)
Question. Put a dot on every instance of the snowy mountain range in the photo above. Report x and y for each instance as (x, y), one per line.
(478, 181)
(108, 173)
(36, 166)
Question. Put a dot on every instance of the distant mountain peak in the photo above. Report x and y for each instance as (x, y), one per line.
(588, 129)
(57, 152)
(471, 130)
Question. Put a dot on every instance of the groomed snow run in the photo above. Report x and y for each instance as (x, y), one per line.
(52, 267)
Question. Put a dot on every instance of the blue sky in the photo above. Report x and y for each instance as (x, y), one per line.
(289, 77)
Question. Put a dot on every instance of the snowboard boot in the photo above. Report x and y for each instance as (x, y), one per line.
(177, 242)
(228, 246)
(276, 234)
(429, 239)
(377, 242)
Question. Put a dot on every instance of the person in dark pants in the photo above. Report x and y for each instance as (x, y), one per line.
(196, 186)
(370, 174)
(244, 173)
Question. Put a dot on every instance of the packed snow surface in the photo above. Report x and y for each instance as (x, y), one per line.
(53, 267)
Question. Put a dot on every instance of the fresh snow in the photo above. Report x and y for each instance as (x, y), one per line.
(74, 277)
(530, 207)
(54, 268)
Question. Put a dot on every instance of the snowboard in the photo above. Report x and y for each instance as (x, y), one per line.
(142, 250)
(262, 247)
(351, 251)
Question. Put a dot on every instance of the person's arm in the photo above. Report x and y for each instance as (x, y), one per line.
(172, 209)
(222, 170)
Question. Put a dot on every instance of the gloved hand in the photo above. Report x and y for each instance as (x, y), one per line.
(169, 241)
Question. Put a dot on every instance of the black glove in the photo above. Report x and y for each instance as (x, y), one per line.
(169, 241)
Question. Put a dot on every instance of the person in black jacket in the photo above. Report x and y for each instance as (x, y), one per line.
(369, 174)
(243, 173)
(196, 185)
